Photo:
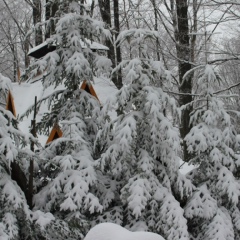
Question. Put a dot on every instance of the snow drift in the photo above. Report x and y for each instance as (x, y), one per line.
(111, 231)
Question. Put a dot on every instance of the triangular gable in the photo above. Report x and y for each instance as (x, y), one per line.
(89, 88)
(10, 106)
(56, 132)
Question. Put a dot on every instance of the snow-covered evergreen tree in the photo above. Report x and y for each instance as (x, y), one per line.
(17, 221)
(68, 161)
(140, 146)
(14, 212)
(213, 210)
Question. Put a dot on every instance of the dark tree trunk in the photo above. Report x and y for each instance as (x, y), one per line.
(37, 11)
(184, 65)
(118, 49)
(51, 9)
(14, 64)
(92, 7)
(156, 26)
(26, 45)
(105, 9)
(31, 166)
(18, 175)
(82, 8)
(26, 57)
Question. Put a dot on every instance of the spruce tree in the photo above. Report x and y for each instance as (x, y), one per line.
(140, 146)
(213, 209)
(17, 221)
(67, 163)
(13, 203)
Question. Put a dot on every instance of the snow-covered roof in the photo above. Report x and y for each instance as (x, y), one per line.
(94, 45)
(45, 47)
(24, 95)
(34, 49)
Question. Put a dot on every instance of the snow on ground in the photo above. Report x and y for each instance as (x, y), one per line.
(111, 231)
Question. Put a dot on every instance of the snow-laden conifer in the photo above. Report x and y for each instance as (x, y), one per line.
(214, 205)
(140, 149)
(13, 203)
(67, 162)
(17, 221)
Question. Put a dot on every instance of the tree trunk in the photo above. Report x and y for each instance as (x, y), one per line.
(184, 65)
(118, 49)
(14, 63)
(37, 11)
(51, 9)
(105, 10)
(26, 57)
(18, 175)
(92, 7)
(26, 45)
(156, 27)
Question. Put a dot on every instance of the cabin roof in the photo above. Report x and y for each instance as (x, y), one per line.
(24, 95)
(42, 49)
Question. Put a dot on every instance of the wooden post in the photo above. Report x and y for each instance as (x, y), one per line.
(31, 167)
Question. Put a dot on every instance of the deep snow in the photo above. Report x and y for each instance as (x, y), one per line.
(111, 231)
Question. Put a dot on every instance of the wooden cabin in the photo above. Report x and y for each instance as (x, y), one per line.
(44, 48)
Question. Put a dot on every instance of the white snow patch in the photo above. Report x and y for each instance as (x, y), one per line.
(185, 167)
(111, 231)
(42, 219)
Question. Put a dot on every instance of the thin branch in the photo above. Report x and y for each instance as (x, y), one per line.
(222, 60)
(181, 94)
(16, 22)
(226, 89)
